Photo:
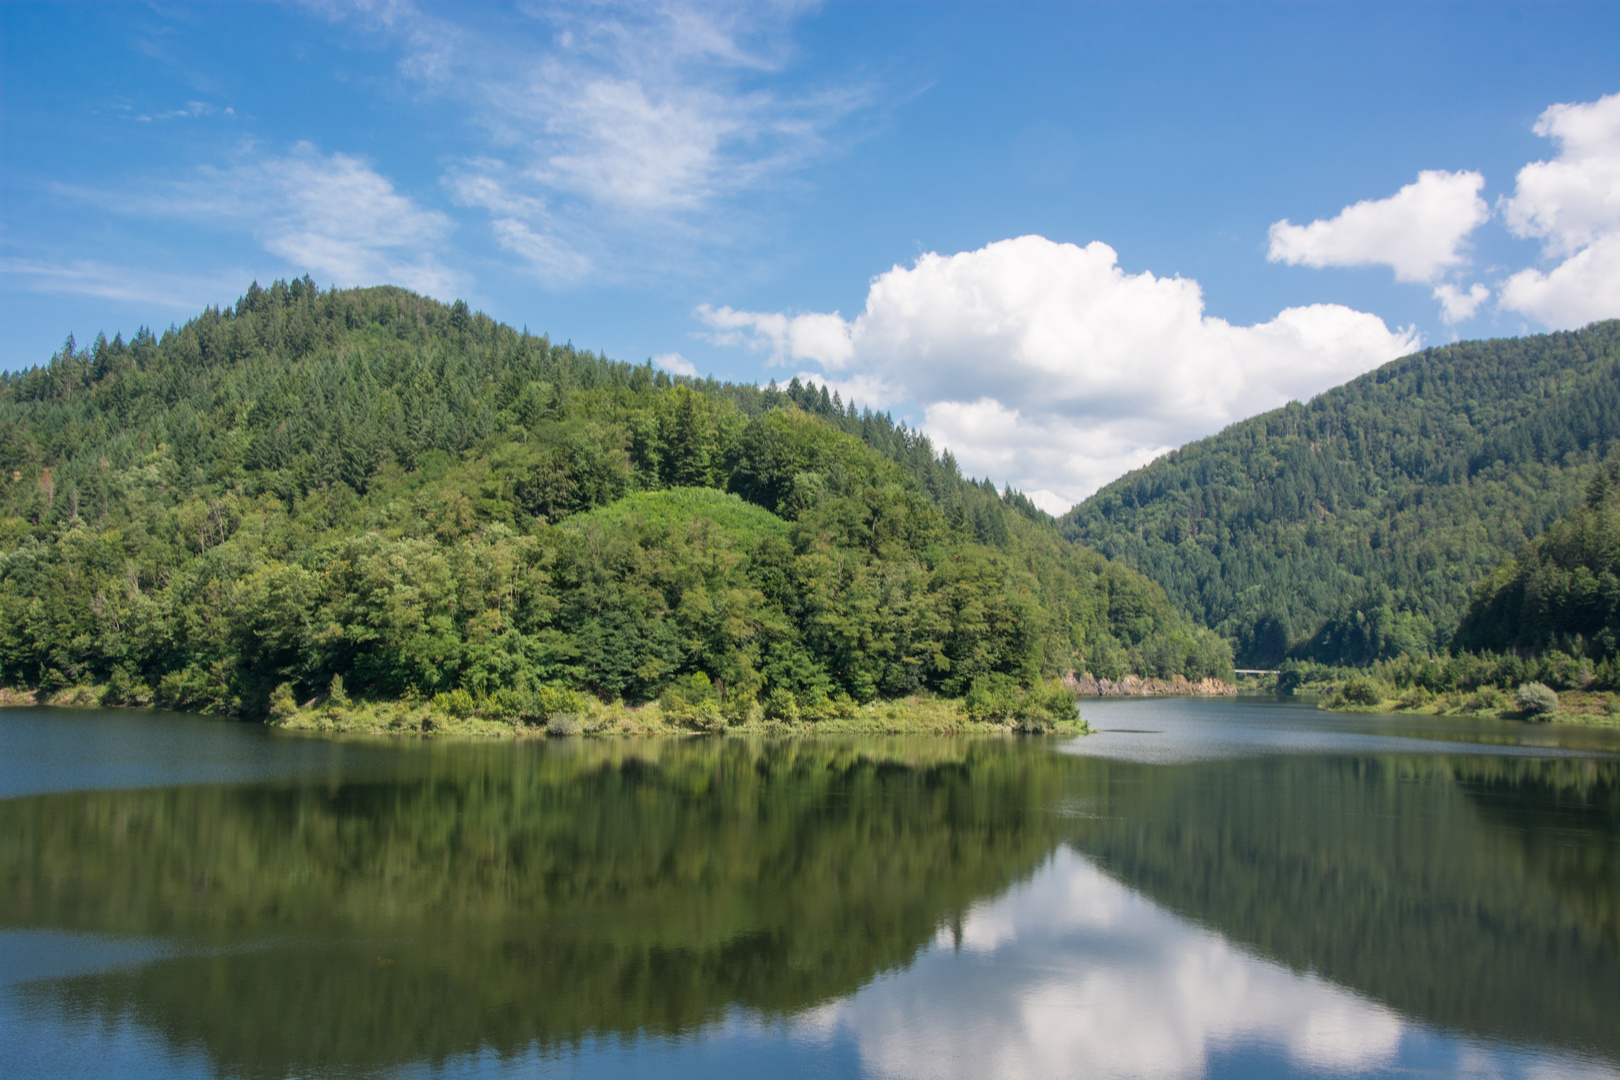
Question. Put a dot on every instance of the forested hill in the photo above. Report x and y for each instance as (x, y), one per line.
(1562, 590)
(371, 484)
(1355, 526)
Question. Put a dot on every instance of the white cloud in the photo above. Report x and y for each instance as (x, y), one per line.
(617, 125)
(86, 277)
(331, 216)
(1457, 306)
(1572, 204)
(1581, 289)
(675, 364)
(1073, 974)
(1575, 200)
(1418, 232)
(822, 338)
(1048, 366)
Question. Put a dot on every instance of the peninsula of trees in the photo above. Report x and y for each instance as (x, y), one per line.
(367, 494)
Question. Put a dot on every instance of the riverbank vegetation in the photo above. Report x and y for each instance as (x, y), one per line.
(365, 500)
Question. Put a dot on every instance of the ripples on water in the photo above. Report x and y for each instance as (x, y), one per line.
(1203, 888)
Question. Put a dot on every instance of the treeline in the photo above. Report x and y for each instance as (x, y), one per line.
(1354, 528)
(371, 485)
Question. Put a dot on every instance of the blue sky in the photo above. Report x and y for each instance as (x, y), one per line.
(1061, 237)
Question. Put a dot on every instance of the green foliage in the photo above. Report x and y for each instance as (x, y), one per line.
(369, 490)
(564, 725)
(1536, 699)
(1353, 528)
(1562, 590)
(282, 702)
(1040, 708)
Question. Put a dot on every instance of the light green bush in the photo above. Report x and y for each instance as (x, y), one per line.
(1536, 699)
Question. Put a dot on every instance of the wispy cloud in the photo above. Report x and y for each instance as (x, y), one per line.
(108, 281)
(331, 216)
(617, 124)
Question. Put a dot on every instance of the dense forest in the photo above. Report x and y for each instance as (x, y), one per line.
(1355, 527)
(1561, 592)
(406, 495)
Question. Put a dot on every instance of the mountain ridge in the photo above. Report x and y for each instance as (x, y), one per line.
(1356, 526)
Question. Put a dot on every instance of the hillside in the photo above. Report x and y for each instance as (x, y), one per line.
(1562, 590)
(372, 485)
(1356, 526)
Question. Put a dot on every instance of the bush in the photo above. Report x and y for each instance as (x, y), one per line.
(563, 725)
(282, 702)
(1360, 692)
(781, 705)
(999, 698)
(993, 696)
(692, 702)
(1536, 699)
(335, 694)
(457, 703)
(1046, 706)
(552, 701)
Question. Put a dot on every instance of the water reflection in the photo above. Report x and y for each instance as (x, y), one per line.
(1073, 974)
(888, 907)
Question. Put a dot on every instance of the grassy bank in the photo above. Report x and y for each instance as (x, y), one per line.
(1573, 706)
(916, 715)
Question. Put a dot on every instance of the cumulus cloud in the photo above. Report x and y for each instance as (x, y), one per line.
(1419, 232)
(1572, 204)
(1458, 306)
(1048, 366)
(1073, 974)
(675, 364)
(824, 339)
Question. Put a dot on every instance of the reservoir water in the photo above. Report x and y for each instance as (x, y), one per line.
(1204, 888)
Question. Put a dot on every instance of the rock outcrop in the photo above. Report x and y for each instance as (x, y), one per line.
(1084, 684)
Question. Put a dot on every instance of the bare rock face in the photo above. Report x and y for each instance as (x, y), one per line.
(1084, 684)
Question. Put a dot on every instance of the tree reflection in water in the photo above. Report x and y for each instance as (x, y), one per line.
(521, 899)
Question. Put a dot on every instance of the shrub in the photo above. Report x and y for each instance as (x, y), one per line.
(692, 701)
(282, 702)
(457, 703)
(781, 705)
(552, 701)
(992, 696)
(1536, 699)
(563, 725)
(1360, 691)
(1045, 706)
(335, 694)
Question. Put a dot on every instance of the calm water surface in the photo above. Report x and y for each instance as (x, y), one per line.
(1205, 888)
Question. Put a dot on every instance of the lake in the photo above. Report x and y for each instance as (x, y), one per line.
(1203, 888)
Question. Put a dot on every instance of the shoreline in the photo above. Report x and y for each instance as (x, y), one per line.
(904, 716)
(916, 715)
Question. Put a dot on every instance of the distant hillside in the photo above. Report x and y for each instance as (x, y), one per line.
(1356, 526)
(370, 484)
